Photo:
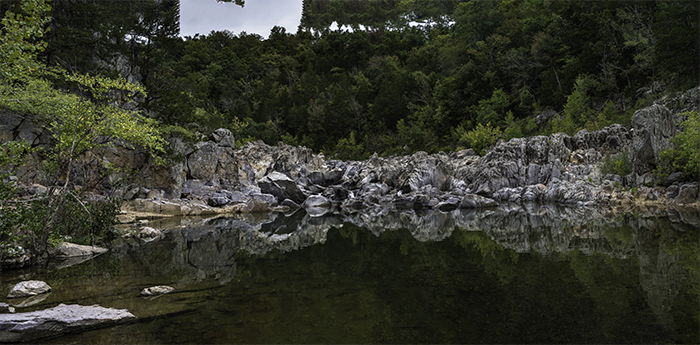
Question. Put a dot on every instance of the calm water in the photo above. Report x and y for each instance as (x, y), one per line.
(509, 275)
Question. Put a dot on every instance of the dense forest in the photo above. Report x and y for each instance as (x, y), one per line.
(391, 76)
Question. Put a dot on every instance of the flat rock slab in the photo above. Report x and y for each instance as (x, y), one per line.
(69, 250)
(29, 288)
(21, 327)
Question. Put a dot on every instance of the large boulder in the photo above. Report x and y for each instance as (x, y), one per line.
(258, 203)
(317, 201)
(6, 308)
(223, 137)
(203, 162)
(69, 250)
(28, 288)
(654, 126)
(214, 161)
(23, 327)
(282, 187)
(326, 178)
(257, 159)
(687, 193)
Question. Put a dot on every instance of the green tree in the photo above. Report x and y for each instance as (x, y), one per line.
(492, 109)
(578, 104)
(513, 129)
(97, 112)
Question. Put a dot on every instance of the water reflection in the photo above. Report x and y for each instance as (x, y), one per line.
(509, 274)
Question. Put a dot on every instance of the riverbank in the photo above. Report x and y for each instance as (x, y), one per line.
(214, 177)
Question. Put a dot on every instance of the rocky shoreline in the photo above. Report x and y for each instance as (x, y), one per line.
(216, 178)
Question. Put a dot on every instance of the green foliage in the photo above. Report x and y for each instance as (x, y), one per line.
(513, 129)
(618, 164)
(81, 112)
(578, 104)
(86, 222)
(11, 214)
(685, 154)
(75, 120)
(480, 138)
(402, 88)
(493, 109)
(19, 59)
(22, 222)
(418, 132)
(564, 124)
(179, 132)
(604, 118)
(349, 149)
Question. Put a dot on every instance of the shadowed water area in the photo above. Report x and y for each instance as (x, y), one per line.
(506, 275)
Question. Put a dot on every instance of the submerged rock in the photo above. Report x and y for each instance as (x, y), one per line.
(687, 193)
(29, 288)
(22, 327)
(157, 290)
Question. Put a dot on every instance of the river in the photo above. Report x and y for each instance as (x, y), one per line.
(536, 274)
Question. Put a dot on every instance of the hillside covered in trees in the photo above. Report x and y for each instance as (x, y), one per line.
(391, 76)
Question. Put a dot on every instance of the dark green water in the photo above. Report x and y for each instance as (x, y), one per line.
(502, 277)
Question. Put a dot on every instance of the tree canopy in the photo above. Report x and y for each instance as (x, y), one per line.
(394, 76)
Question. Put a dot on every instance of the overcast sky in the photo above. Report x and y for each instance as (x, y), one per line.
(258, 16)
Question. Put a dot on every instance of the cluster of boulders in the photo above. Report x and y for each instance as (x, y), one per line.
(215, 177)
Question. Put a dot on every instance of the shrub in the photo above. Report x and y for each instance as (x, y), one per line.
(513, 128)
(564, 124)
(180, 132)
(684, 156)
(619, 164)
(480, 138)
(22, 222)
(349, 148)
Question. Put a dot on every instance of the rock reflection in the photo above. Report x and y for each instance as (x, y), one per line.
(206, 248)
(658, 243)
